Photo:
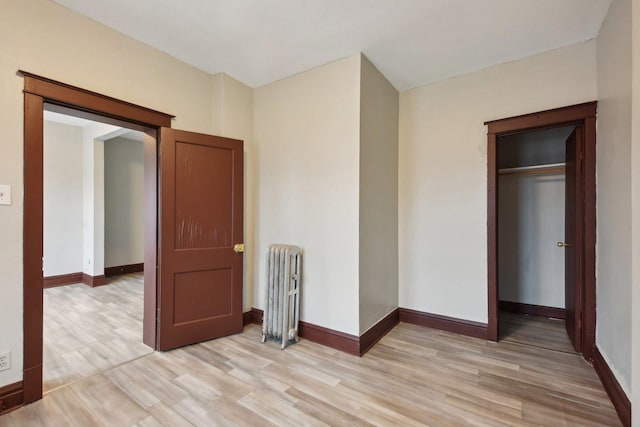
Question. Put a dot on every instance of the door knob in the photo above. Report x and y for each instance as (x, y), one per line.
(563, 244)
(238, 248)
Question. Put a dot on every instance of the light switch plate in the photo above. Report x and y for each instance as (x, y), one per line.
(5, 194)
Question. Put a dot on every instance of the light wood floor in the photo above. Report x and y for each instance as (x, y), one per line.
(536, 331)
(413, 376)
(89, 330)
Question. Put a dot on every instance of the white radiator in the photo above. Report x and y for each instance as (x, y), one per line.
(282, 302)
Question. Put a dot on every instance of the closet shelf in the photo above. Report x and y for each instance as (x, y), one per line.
(536, 169)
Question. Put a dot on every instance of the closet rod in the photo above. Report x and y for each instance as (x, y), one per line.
(536, 169)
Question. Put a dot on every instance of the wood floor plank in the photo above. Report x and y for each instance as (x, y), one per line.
(107, 402)
(88, 330)
(197, 414)
(413, 376)
(166, 416)
(236, 413)
(66, 409)
(277, 409)
(537, 331)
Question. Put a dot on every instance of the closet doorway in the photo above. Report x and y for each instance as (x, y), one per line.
(531, 238)
(541, 228)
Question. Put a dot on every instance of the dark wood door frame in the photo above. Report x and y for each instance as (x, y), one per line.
(581, 114)
(83, 103)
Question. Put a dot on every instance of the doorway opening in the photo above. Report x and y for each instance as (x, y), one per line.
(578, 242)
(93, 232)
(193, 225)
(73, 101)
(531, 235)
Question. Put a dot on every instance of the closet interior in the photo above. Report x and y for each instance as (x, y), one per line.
(531, 224)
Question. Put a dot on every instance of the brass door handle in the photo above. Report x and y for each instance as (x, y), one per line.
(238, 248)
(564, 244)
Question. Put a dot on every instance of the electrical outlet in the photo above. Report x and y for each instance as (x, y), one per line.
(5, 361)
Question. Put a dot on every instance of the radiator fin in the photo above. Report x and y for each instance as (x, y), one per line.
(282, 302)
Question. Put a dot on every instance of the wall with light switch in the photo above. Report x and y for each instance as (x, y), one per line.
(5, 194)
(41, 37)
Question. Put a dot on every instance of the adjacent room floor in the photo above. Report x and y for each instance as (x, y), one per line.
(413, 376)
(89, 330)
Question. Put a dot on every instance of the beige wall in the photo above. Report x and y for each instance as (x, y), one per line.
(124, 215)
(93, 136)
(233, 118)
(62, 230)
(635, 195)
(613, 267)
(443, 168)
(378, 251)
(531, 215)
(306, 133)
(42, 37)
(302, 164)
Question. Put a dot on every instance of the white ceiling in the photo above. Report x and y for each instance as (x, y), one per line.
(412, 42)
(52, 116)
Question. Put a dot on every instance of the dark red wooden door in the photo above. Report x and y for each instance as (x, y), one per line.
(200, 220)
(573, 236)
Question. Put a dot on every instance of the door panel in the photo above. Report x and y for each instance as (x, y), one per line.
(200, 213)
(573, 237)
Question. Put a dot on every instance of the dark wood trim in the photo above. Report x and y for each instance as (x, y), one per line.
(93, 117)
(358, 346)
(445, 323)
(61, 280)
(38, 91)
(93, 281)
(581, 114)
(532, 309)
(252, 317)
(32, 246)
(543, 119)
(86, 101)
(11, 397)
(258, 316)
(328, 337)
(492, 237)
(123, 269)
(318, 334)
(379, 330)
(589, 240)
(247, 318)
(151, 240)
(611, 385)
